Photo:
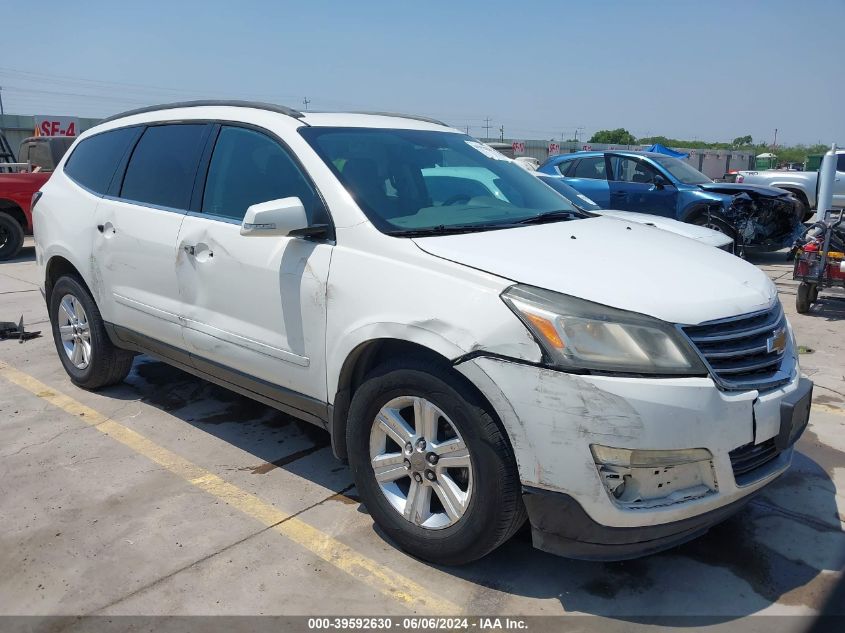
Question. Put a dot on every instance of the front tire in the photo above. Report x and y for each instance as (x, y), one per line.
(87, 354)
(431, 464)
(716, 222)
(11, 237)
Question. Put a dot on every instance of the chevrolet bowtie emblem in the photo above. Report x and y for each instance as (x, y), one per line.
(777, 342)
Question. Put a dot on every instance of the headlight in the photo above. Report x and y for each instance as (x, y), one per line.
(582, 335)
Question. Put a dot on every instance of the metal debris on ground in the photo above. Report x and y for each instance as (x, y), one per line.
(10, 330)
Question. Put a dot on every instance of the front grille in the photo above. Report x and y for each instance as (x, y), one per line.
(743, 352)
(751, 456)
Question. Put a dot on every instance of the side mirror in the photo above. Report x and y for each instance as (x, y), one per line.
(660, 182)
(275, 217)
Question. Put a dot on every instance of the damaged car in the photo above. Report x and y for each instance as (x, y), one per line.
(479, 360)
(701, 234)
(757, 218)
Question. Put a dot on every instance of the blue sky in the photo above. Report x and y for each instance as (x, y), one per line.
(711, 70)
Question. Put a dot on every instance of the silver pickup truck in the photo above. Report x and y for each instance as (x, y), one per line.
(804, 184)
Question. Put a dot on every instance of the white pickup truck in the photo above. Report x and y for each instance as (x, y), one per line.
(804, 184)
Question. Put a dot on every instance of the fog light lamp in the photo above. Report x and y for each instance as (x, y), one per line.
(637, 458)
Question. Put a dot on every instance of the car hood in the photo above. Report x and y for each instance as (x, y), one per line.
(616, 263)
(735, 188)
(692, 231)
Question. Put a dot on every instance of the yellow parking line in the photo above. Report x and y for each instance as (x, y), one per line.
(368, 571)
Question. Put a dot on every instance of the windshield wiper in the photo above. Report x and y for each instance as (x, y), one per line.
(443, 229)
(553, 216)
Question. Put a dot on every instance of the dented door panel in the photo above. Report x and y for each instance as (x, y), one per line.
(132, 262)
(255, 304)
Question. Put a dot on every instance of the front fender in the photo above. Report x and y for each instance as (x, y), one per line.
(690, 203)
(426, 334)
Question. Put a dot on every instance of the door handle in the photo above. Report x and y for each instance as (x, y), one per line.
(201, 255)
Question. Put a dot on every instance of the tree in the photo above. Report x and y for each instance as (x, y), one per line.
(619, 136)
(742, 141)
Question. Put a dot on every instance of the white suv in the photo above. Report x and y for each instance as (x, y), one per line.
(477, 358)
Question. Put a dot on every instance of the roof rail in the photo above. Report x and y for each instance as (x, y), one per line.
(415, 117)
(209, 102)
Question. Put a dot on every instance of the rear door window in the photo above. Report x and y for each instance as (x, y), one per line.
(94, 161)
(164, 164)
(593, 167)
(840, 162)
(248, 167)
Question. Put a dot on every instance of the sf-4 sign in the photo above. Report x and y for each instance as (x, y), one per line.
(518, 148)
(56, 126)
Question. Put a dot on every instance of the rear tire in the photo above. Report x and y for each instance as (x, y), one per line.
(803, 297)
(11, 237)
(490, 508)
(84, 348)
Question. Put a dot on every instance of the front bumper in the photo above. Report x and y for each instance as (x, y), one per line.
(553, 418)
(560, 526)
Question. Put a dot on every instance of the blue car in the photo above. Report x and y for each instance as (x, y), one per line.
(757, 218)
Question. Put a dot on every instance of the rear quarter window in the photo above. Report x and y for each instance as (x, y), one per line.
(565, 166)
(94, 161)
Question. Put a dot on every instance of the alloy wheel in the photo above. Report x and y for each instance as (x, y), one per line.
(421, 463)
(75, 331)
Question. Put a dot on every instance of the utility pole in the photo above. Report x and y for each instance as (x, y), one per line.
(1, 101)
(306, 101)
(467, 129)
(578, 131)
(775, 143)
(487, 127)
(502, 134)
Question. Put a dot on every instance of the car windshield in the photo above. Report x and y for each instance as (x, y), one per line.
(410, 182)
(570, 193)
(682, 171)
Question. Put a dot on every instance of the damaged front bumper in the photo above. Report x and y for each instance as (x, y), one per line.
(559, 525)
(764, 223)
(618, 467)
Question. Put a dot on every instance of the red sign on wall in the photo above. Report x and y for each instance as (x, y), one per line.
(56, 126)
(554, 149)
(587, 148)
(518, 148)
